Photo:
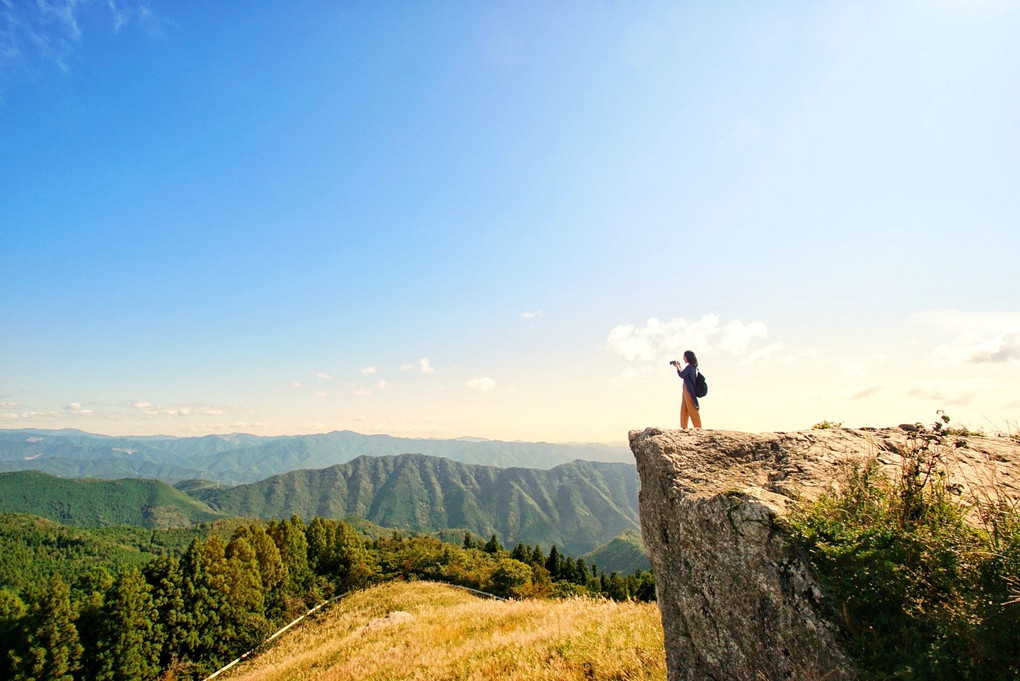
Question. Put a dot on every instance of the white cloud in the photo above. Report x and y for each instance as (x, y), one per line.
(975, 348)
(763, 354)
(531, 315)
(368, 371)
(27, 415)
(482, 385)
(180, 409)
(295, 384)
(76, 408)
(977, 337)
(950, 391)
(322, 375)
(426, 366)
(663, 341)
(9, 405)
(737, 337)
(406, 367)
(382, 385)
(322, 394)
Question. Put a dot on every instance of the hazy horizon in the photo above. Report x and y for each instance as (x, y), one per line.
(454, 220)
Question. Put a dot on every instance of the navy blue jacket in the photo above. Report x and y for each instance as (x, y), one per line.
(689, 374)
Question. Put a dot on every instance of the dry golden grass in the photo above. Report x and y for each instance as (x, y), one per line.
(423, 630)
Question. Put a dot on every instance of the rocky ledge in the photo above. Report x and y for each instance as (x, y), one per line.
(735, 603)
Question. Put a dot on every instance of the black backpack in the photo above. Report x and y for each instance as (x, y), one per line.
(700, 385)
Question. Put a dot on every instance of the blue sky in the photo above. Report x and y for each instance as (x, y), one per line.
(502, 220)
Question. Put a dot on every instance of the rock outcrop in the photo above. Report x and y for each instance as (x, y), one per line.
(735, 603)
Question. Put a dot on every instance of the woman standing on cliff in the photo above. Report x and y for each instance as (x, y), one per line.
(689, 407)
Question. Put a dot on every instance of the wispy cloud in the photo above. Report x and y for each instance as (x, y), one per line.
(482, 385)
(406, 367)
(426, 366)
(860, 392)
(179, 409)
(27, 415)
(369, 370)
(77, 408)
(658, 340)
(950, 391)
(50, 31)
(322, 376)
(531, 315)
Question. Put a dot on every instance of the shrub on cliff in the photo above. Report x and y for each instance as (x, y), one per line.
(916, 590)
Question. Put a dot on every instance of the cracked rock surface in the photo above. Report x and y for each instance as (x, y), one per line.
(735, 603)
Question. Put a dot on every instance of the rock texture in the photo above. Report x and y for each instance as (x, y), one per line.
(735, 604)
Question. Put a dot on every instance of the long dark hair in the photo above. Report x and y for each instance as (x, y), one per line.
(691, 358)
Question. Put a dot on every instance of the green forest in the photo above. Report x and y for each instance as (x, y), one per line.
(133, 603)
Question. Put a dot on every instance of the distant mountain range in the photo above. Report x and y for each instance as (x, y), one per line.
(577, 506)
(241, 458)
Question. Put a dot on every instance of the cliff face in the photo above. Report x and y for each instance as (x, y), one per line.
(735, 603)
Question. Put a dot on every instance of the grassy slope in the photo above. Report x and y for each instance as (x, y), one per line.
(450, 634)
(98, 503)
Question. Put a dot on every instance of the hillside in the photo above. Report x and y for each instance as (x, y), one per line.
(241, 458)
(577, 506)
(97, 503)
(425, 630)
(624, 553)
(34, 548)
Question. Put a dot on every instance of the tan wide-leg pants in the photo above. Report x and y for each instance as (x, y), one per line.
(688, 410)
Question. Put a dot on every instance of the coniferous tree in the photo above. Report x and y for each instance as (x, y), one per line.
(204, 641)
(321, 536)
(51, 649)
(271, 570)
(12, 610)
(568, 569)
(469, 541)
(290, 539)
(166, 580)
(554, 563)
(88, 595)
(128, 647)
(354, 567)
(244, 619)
(521, 552)
(493, 546)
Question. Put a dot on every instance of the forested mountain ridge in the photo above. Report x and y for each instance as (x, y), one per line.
(100, 503)
(241, 458)
(577, 506)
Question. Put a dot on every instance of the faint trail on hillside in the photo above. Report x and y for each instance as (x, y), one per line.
(316, 608)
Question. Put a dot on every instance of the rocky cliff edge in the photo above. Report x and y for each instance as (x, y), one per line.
(735, 603)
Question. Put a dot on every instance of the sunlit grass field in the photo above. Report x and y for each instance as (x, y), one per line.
(423, 630)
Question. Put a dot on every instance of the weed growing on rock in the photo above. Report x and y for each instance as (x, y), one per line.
(915, 589)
